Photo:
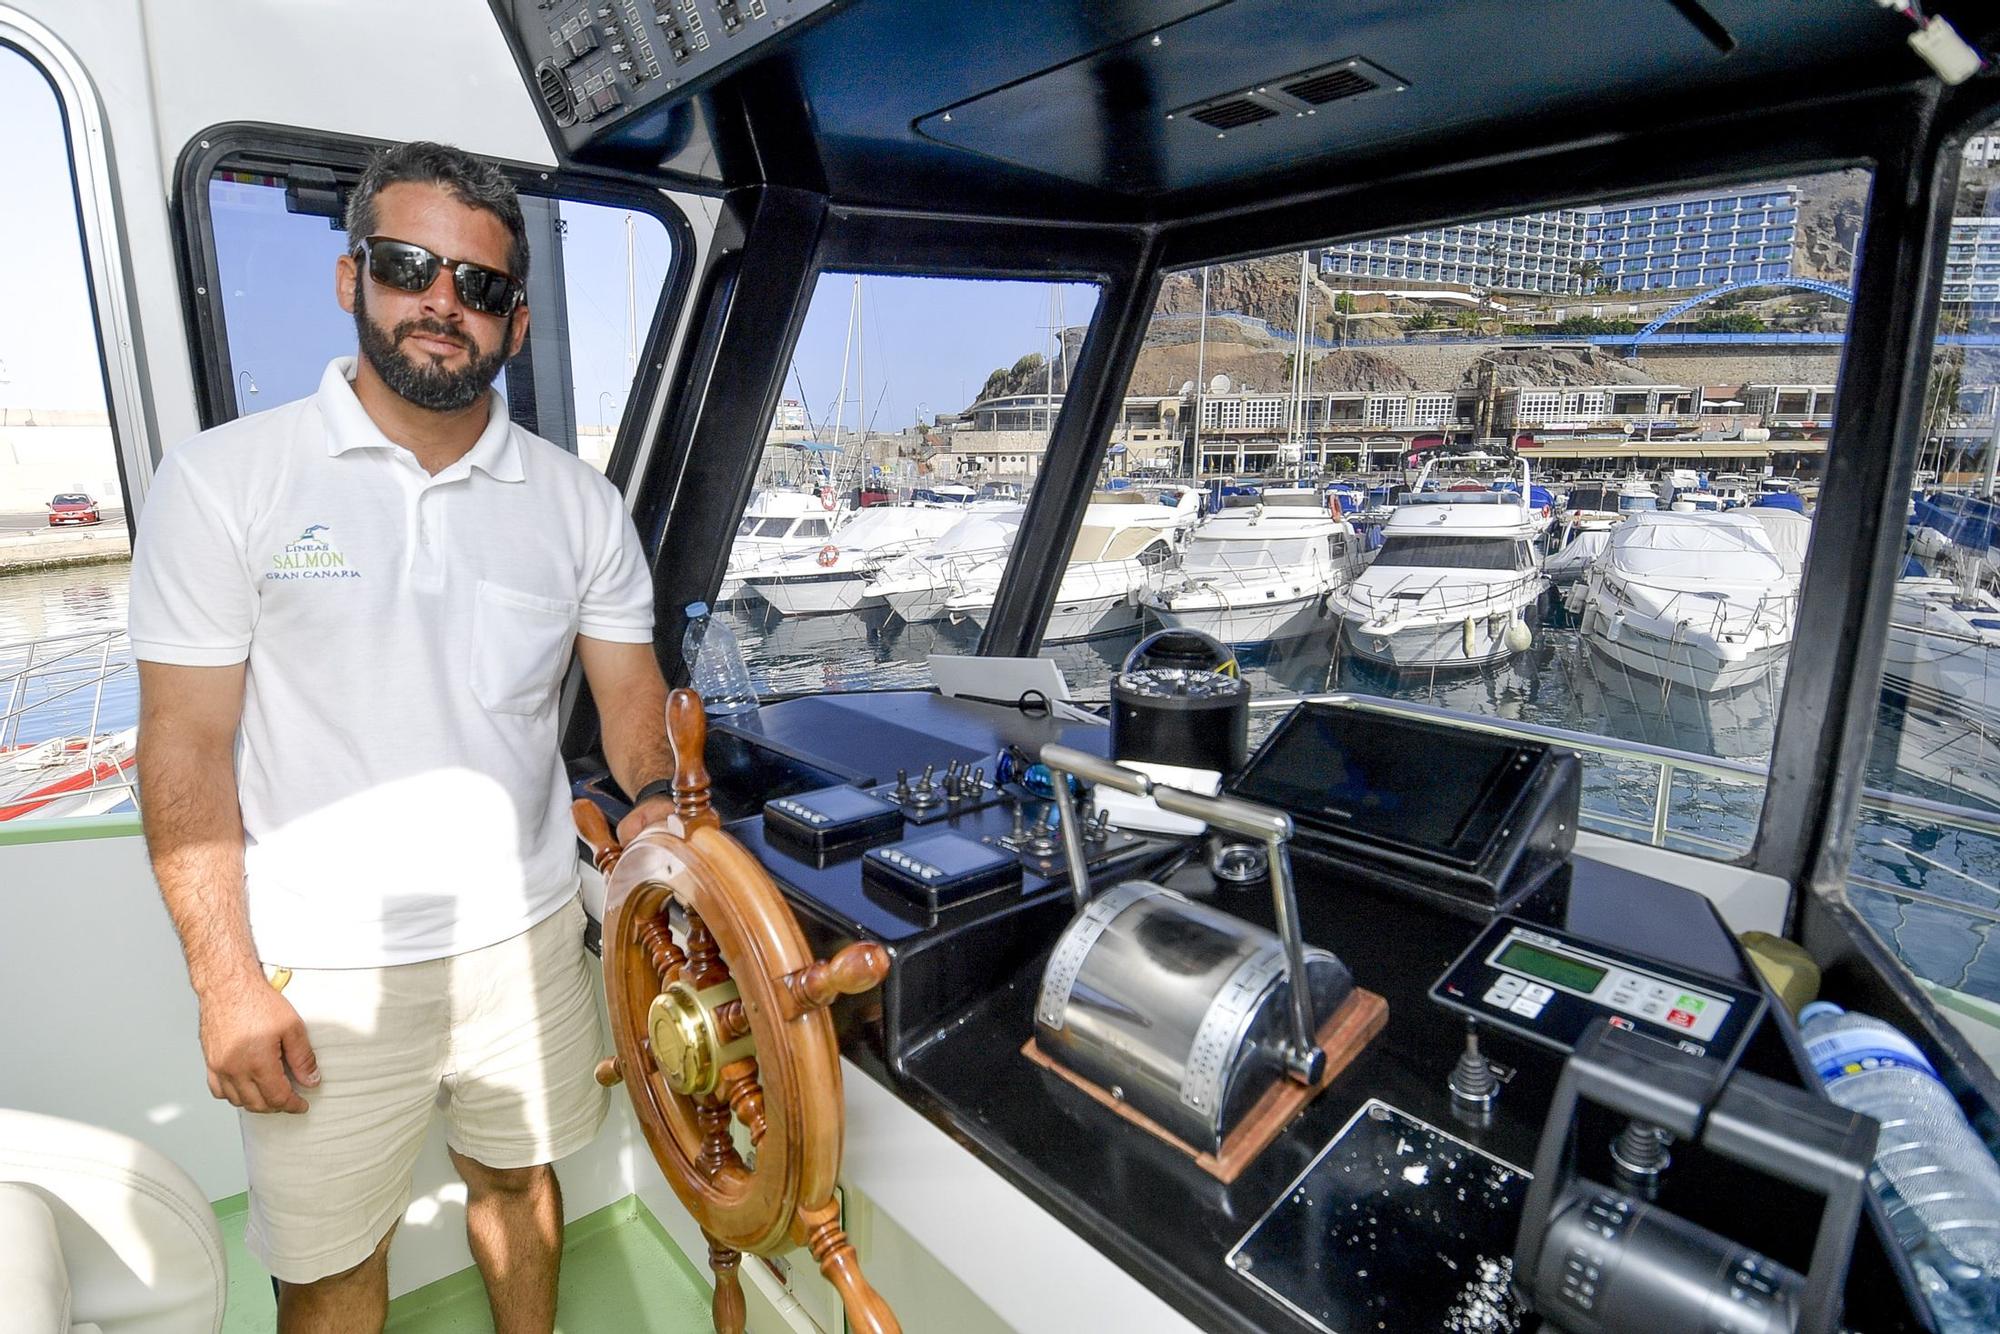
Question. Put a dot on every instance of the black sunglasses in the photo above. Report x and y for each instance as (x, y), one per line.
(409, 267)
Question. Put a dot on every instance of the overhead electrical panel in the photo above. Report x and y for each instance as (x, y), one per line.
(607, 72)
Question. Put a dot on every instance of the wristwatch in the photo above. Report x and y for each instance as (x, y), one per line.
(659, 787)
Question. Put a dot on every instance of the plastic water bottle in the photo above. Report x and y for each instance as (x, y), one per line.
(1934, 1174)
(715, 664)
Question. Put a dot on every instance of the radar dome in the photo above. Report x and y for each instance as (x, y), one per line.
(1220, 385)
(1187, 387)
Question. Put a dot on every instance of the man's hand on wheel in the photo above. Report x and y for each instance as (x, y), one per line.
(651, 811)
(251, 1036)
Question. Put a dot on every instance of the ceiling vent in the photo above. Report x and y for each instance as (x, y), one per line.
(1291, 96)
(1232, 113)
(1318, 87)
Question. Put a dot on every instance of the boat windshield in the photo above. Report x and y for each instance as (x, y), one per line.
(1637, 504)
(1213, 555)
(1455, 553)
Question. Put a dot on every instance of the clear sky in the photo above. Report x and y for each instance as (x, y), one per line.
(48, 345)
(926, 343)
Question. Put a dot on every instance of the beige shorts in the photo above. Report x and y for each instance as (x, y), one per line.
(504, 1038)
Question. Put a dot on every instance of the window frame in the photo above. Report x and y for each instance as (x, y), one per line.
(238, 145)
(101, 238)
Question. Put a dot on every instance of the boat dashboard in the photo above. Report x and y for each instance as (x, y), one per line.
(1389, 1201)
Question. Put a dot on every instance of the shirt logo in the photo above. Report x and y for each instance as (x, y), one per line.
(311, 555)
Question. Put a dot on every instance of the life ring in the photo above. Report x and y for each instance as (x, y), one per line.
(827, 499)
(828, 554)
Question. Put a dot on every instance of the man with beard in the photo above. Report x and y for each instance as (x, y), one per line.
(352, 616)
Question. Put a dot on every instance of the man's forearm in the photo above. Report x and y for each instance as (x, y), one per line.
(194, 833)
(635, 734)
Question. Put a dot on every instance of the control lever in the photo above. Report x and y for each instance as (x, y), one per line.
(1594, 1260)
(1472, 1079)
(1304, 1060)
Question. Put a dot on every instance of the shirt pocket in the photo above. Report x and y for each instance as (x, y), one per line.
(520, 642)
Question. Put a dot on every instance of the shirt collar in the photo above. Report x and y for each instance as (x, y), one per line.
(348, 426)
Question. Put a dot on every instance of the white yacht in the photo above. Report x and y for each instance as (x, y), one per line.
(1944, 649)
(918, 585)
(1454, 585)
(1700, 600)
(833, 576)
(1258, 571)
(775, 524)
(1124, 537)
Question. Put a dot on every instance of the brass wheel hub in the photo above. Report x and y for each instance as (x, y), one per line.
(687, 1041)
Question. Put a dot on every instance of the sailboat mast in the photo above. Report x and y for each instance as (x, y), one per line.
(1200, 378)
(1297, 441)
(631, 300)
(840, 398)
(859, 467)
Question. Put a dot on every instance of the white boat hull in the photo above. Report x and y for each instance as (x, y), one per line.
(1945, 674)
(816, 594)
(1691, 662)
(1073, 619)
(1428, 645)
(1239, 623)
(917, 605)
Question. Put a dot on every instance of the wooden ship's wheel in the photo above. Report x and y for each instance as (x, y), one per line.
(729, 1028)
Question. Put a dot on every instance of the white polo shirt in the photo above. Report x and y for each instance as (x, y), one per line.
(403, 796)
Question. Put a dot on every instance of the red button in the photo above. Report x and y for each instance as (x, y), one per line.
(1680, 1018)
(1620, 1021)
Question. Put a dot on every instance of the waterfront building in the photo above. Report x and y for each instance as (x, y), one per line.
(1972, 260)
(1682, 241)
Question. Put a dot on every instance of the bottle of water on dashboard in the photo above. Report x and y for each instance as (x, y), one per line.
(715, 664)
(1934, 1175)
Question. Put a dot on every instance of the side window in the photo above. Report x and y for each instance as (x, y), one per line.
(68, 691)
(896, 478)
(595, 276)
(1577, 501)
(1925, 870)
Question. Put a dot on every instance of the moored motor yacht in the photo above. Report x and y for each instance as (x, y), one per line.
(917, 586)
(1124, 537)
(775, 524)
(1258, 571)
(1454, 585)
(833, 576)
(1944, 649)
(1699, 600)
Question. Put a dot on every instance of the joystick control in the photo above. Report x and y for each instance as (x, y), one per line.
(1472, 1080)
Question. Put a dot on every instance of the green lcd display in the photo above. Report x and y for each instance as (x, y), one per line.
(1564, 972)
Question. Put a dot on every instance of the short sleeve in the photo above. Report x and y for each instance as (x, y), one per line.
(618, 601)
(193, 602)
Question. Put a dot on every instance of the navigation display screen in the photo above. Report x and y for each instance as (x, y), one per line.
(1423, 787)
(1573, 974)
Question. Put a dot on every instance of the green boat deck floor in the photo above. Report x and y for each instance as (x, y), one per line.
(620, 1272)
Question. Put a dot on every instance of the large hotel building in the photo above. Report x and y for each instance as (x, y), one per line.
(1689, 241)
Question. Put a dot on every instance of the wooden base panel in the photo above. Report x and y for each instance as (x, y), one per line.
(1345, 1034)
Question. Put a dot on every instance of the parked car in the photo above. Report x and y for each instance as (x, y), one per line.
(73, 507)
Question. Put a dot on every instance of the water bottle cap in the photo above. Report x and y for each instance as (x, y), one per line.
(1818, 1008)
(696, 610)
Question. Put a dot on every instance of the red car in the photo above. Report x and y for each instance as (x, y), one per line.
(73, 507)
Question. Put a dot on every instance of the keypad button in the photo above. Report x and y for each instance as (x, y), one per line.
(1525, 1007)
(1535, 991)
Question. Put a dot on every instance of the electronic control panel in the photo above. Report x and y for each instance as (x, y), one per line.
(1548, 986)
(596, 63)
